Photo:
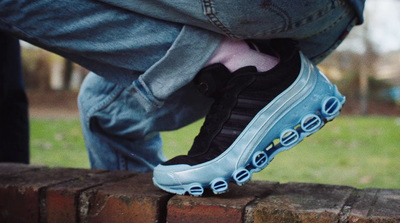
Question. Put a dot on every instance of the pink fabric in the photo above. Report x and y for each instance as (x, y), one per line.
(235, 54)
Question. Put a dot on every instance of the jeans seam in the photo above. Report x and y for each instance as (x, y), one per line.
(306, 20)
(345, 13)
(141, 91)
(267, 5)
(213, 18)
(288, 25)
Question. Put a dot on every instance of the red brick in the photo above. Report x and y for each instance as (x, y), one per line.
(301, 202)
(228, 207)
(376, 205)
(21, 193)
(135, 199)
(387, 205)
(39, 194)
(62, 200)
(14, 168)
(360, 208)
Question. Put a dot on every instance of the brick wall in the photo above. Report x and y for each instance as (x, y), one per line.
(40, 194)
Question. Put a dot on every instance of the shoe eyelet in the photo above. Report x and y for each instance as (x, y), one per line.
(203, 87)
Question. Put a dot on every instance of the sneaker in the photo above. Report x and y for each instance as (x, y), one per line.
(255, 116)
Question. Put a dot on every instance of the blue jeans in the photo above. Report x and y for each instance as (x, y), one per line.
(147, 45)
(120, 134)
(152, 49)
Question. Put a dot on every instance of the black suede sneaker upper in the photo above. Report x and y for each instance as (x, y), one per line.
(239, 96)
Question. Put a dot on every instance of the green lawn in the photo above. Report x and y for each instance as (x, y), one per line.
(57, 143)
(355, 151)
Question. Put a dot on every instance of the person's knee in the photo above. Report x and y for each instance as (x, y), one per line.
(272, 19)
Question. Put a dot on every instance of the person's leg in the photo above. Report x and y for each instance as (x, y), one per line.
(14, 128)
(297, 20)
(120, 134)
(257, 115)
(115, 43)
(155, 38)
(262, 20)
(317, 25)
(93, 34)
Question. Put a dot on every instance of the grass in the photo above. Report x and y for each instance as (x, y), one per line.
(57, 143)
(356, 151)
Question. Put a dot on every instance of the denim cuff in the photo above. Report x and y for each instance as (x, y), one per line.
(190, 51)
(144, 96)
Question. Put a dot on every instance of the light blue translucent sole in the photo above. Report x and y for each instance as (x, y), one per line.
(298, 112)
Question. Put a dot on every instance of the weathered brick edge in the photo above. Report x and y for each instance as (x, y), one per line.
(39, 194)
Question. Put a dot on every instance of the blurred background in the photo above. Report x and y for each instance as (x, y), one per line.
(360, 149)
